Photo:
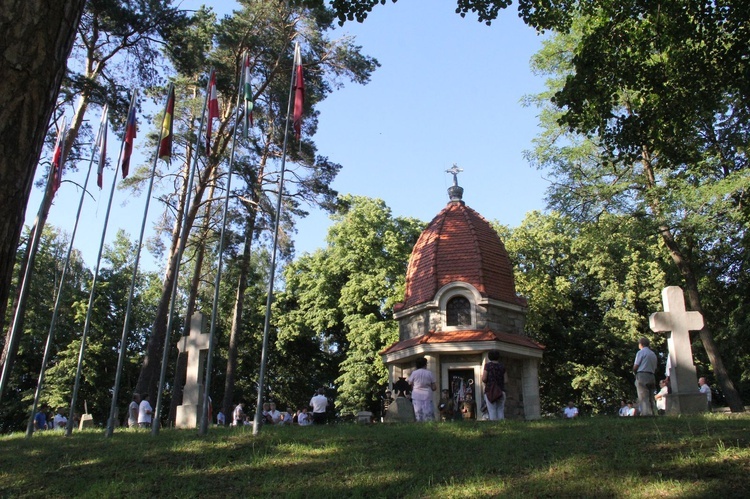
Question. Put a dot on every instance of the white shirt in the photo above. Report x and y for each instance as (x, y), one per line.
(705, 389)
(220, 418)
(571, 412)
(144, 412)
(421, 382)
(319, 403)
(60, 421)
(275, 416)
(237, 414)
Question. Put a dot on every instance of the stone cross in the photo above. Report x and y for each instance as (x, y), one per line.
(195, 344)
(676, 321)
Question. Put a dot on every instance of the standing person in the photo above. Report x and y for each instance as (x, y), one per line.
(60, 421)
(40, 419)
(706, 390)
(133, 411)
(422, 383)
(319, 404)
(494, 377)
(220, 419)
(571, 411)
(661, 397)
(144, 412)
(238, 416)
(644, 368)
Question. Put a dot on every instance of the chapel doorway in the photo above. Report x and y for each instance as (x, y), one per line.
(462, 386)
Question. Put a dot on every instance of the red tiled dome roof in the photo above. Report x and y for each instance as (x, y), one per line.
(459, 245)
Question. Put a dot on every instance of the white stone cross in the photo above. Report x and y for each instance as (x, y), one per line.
(196, 343)
(676, 321)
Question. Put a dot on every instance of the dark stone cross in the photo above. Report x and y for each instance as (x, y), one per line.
(455, 192)
(677, 323)
(455, 170)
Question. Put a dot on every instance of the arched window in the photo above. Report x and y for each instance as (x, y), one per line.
(458, 312)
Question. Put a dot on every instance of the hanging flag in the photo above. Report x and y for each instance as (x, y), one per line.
(101, 145)
(57, 160)
(213, 109)
(130, 131)
(248, 90)
(165, 146)
(299, 92)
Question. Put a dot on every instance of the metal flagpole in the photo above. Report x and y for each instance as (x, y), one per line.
(92, 293)
(60, 289)
(156, 420)
(123, 341)
(271, 277)
(32, 250)
(214, 308)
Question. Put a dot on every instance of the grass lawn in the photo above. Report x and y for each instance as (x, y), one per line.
(696, 456)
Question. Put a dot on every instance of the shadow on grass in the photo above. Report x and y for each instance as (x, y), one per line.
(593, 457)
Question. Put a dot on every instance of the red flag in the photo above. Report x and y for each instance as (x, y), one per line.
(130, 130)
(165, 146)
(57, 160)
(213, 109)
(101, 144)
(299, 92)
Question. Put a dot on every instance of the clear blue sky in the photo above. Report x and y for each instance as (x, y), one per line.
(448, 91)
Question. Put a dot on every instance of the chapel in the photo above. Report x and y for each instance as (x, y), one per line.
(460, 302)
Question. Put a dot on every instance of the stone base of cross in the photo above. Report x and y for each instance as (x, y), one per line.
(677, 323)
(196, 346)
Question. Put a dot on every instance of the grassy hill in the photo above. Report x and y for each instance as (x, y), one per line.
(697, 456)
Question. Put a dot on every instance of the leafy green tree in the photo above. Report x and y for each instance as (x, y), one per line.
(102, 342)
(591, 287)
(42, 295)
(116, 47)
(266, 30)
(340, 300)
(662, 143)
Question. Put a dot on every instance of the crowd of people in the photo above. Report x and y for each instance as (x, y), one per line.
(419, 387)
(272, 416)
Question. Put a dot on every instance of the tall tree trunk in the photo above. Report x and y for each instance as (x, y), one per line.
(200, 251)
(691, 283)
(37, 40)
(239, 305)
(150, 369)
(707, 338)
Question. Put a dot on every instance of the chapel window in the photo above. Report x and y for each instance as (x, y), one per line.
(458, 312)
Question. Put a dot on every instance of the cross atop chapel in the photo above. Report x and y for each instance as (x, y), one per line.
(455, 170)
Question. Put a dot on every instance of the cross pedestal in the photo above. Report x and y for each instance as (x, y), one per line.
(677, 323)
(196, 346)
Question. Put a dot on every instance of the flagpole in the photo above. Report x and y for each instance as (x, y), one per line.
(123, 341)
(184, 232)
(58, 298)
(92, 293)
(214, 307)
(269, 298)
(31, 255)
